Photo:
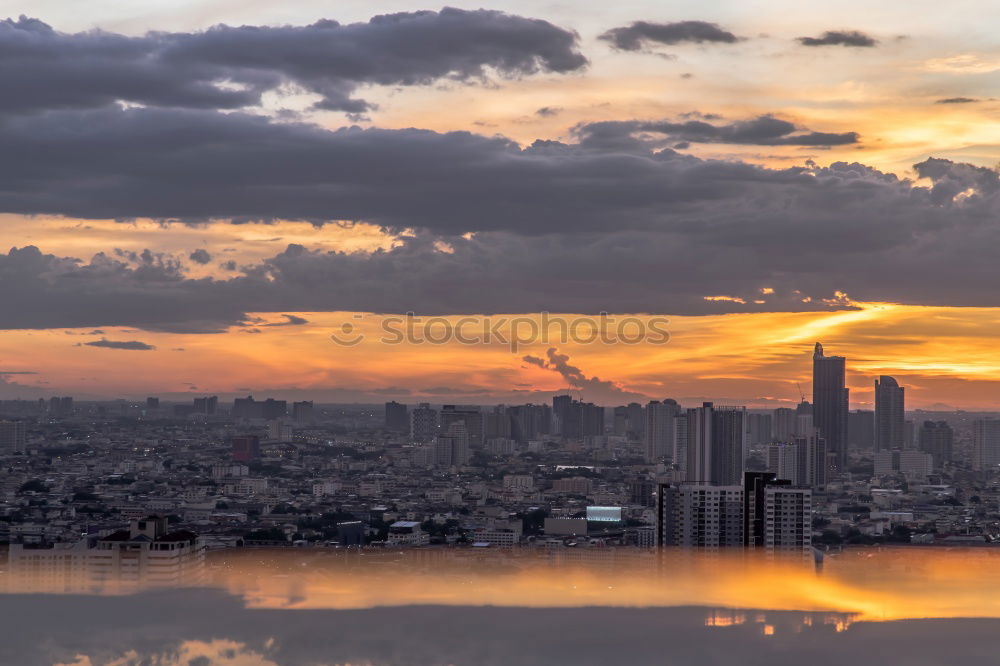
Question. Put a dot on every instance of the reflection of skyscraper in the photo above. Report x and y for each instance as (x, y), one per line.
(889, 414)
(830, 401)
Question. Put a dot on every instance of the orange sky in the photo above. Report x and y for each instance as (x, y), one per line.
(944, 356)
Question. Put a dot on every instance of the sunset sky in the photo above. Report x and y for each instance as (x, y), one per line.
(196, 195)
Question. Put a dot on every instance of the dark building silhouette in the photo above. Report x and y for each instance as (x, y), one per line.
(830, 404)
(152, 403)
(937, 439)
(861, 429)
(470, 415)
(302, 412)
(206, 405)
(890, 421)
(397, 417)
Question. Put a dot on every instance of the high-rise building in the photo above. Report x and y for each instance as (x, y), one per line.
(986, 444)
(274, 409)
(758, 429)
(13, 437)
(784, 424)
(206, 405)
(498, 423)
(636, 420)
(452, 447)
(716, 444)
(659, 429)
(889, 414)
(152, 403)
(397, 417)
(423, 423)
(830, 404)
(681, 442)
(561, 414)
(804, 461)
(777, 515)
(937, 439)
(245, 448)
(60, 406)
(861, 429)
(470, 415)
(302, 412)
(529, 422)
(699, 515)
(591, 420)
(619, 425)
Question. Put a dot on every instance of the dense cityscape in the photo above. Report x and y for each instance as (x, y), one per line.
(89, 483)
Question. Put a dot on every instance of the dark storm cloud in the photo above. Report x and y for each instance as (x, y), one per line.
(640, 34)
(200, 256)
(231, 67)
(610, 223)
(242, 167)
(594, 387)
(290, 320)
(129, 345)
(763, 130)
(853, 38)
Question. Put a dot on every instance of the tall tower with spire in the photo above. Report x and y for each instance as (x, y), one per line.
(830, 404)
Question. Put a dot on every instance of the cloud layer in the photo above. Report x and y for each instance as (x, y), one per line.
(642, 34)
(232, 67)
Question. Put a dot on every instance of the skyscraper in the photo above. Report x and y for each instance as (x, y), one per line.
(986, 444)
(936, 438)
(716, 444)
(659, 429)
(470, 415)
(423, 423)
(830, 404)
(889, 414)
(12, 437)
(699, 515)
(302, 412)
(397, 416)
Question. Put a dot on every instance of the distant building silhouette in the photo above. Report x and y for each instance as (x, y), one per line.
(397, 417)
(890, 421)
(830, 404)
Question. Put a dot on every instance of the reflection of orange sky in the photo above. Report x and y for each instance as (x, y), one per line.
(942, 355)
(870, 586)
(896, 584)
